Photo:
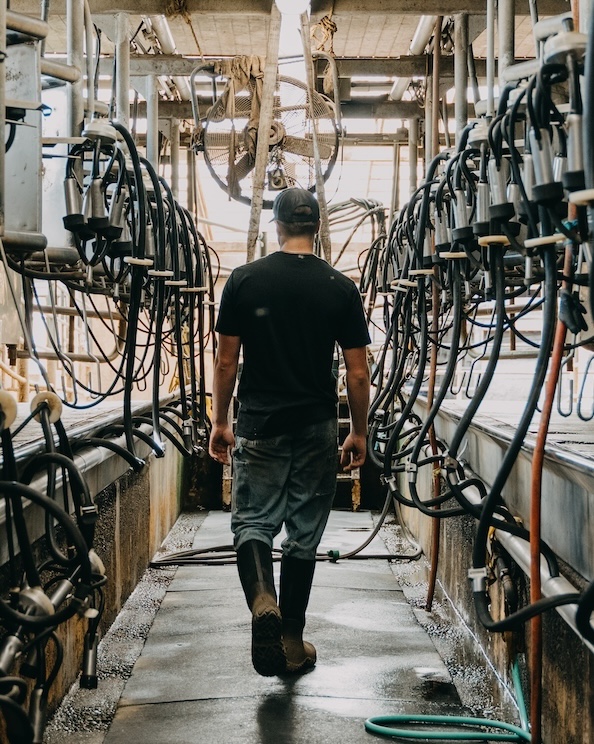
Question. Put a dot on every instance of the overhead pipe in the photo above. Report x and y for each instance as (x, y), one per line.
(160, 26)
(24, 24)
(59, 71)
(417, 46)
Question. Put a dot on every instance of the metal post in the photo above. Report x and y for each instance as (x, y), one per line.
(460, 72)
(435, 86)
(584, 14)
(152, 122)
(320, 191)
(174, 128)
(191, 177)
(506, 11)
(395, 183)
(428, 123)
(490, 58)
(122, 69)
(413, 153)
(75, 19)
(266, 113)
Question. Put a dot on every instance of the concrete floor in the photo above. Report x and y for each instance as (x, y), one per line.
(194, 683)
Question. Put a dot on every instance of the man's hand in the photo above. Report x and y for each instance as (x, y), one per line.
(354, 451)
(221, 441)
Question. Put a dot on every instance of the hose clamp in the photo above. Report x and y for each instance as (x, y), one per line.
(478, 577)
(390, 481)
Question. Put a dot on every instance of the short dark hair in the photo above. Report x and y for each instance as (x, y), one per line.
(296, 229)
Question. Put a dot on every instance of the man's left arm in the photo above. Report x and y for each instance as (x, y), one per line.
(354, 449)
(225, 372)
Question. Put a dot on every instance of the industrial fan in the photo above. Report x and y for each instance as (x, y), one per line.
(231, 131)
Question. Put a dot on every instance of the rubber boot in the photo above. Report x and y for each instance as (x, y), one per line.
(295, 587)
(254, 563)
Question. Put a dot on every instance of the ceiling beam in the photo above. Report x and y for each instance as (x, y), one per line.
(379, 108)
(410, 66)
(420, 7)
(361, 108)
(320, 8)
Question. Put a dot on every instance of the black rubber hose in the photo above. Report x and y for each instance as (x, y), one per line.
(549, 312)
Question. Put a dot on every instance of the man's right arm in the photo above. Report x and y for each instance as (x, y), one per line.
(225, 372)
(354, 449)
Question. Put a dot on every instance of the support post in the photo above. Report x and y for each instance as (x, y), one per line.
(435, 87)
(460, 72)
(395, 183)
(122, 69)
(490, 59)
(152, 122)
(75, 19)
(506, 31)
(191, 169)
(265, 124)
(174, 129)
(413, 153)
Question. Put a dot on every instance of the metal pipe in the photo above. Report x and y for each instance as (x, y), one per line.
(152, 122)
(435, 86)
(490, 58)
(175, 157)
(45, 5)
(75, 14)
(334, 68)
(460, 72)
(551, 586)
(428, 124)
(122, 69)
(417, 46)
(584, 12)
(74, 312)
(413, 153)
(506, 31)
(163, 33)
(59, 71)
(191, 192)
(90, 59)
(24, 24)
(395, 183)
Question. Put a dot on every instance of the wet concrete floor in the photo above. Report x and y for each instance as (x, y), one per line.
(194, 684)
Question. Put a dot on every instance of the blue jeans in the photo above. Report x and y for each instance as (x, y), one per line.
(289, 478)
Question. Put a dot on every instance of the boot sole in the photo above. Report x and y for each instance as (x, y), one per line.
(268, 651)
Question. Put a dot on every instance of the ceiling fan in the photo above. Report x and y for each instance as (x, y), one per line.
(230, 133)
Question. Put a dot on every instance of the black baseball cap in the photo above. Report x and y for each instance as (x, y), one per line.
(296, 205)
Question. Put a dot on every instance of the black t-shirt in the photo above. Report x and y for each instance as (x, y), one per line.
(289, 310)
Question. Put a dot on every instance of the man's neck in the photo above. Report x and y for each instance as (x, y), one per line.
(297, 245)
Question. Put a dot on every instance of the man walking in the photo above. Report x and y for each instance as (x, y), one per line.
(286, 312)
